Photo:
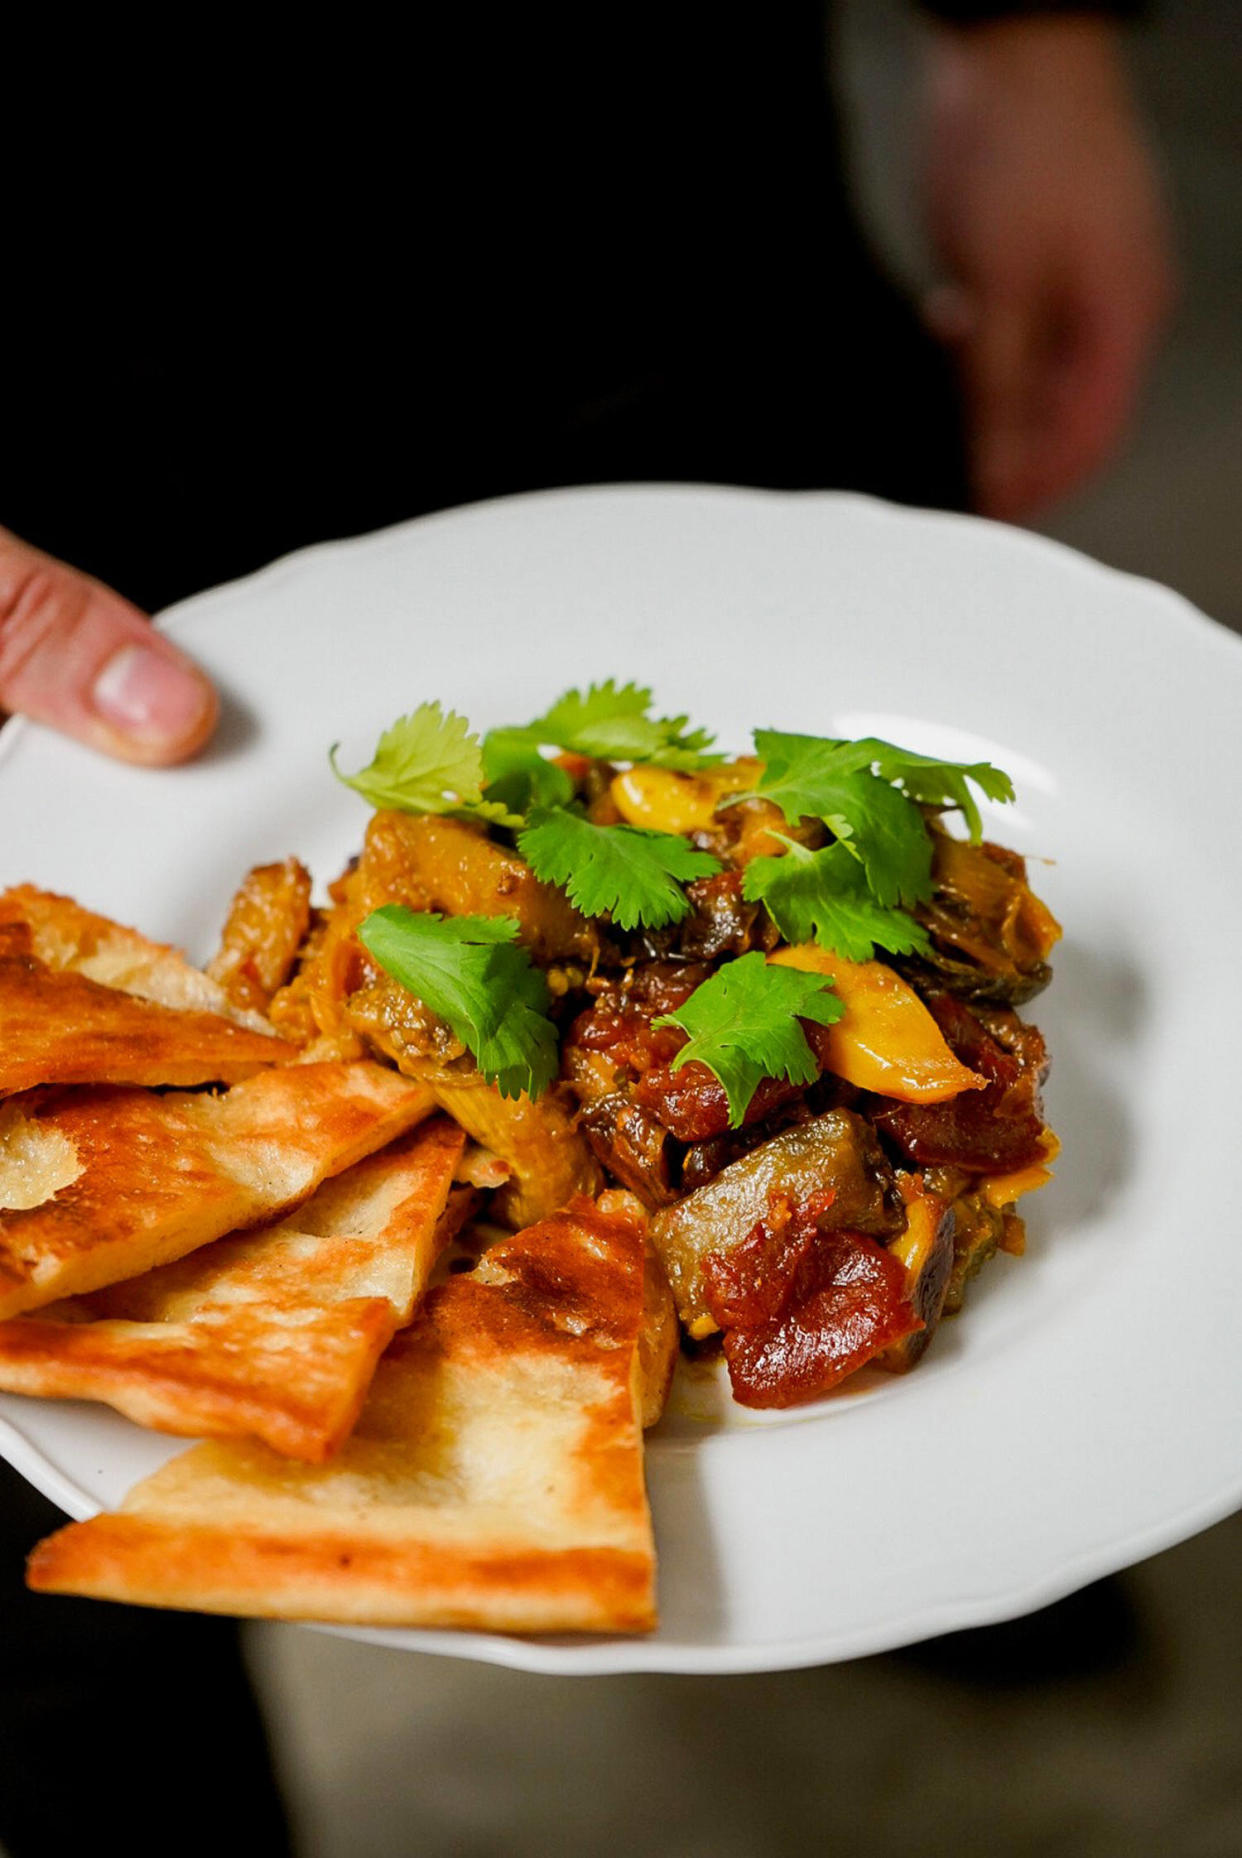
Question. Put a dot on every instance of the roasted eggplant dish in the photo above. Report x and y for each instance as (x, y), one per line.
(774, 998)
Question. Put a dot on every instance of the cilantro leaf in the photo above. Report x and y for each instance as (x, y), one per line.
(604, 719)
(823, 897)
(800, 762)
(611, 722)
(743, 1025)
(943, 783)
(685, 750)
(813, 777)
(470, 971)
(633, 875)
(427, 762)
(517, 774)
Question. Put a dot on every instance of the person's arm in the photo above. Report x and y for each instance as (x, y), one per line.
(78, 657)
(1049, 225)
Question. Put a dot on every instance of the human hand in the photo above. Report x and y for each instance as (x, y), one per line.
(78, 657)
(1048, 221)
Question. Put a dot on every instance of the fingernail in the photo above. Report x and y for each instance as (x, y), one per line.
(145, 694)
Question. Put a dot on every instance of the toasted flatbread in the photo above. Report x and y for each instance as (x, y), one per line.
(494, 1479)
(59, 1027)
(274, 1332)
(63, 935)
(136, 1180)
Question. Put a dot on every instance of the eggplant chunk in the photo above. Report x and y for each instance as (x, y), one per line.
(979, 1233)
(837, 1151)
(991, 935)
(925, 1249)
(632, 1145)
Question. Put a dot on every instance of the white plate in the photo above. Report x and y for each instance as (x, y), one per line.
(1087, 1408)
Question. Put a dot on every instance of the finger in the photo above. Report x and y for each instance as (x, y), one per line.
(1092, 379)
(997, 360)
(950, 313)
(76, 656)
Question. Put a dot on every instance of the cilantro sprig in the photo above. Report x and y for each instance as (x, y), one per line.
(428, 762)
(855, 894)
(625, 872)
(819, 777)
(612, 722)
(470, 970)
(931, 782)
(743, 1025)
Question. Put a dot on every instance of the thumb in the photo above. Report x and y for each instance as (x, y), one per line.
(76, 656)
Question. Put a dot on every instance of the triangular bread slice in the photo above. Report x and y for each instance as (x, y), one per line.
(64, 935)
(494, 1479)
(274, 1332)
(59, 1027)
(103, 1184)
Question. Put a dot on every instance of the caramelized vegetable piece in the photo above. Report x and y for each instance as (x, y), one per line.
(886, 1040)
(992, 934)
(847, 1303)
(693, 1104)
(663, 800)
(427, 864)
(446, 865)
(925, 1253)
(614, 1050)
(837, 1152)
(310, 1009)
(547, 1158)
(755, 829)
(751, 1284)
(632, 1146)
(660, 800)
(720, 922)
(978, 1234)
(611, 1049)
(540, 1142)
(395, 1023)
(629, 1141)
(264, 929)
(992, 1131)
(618, 1027)
(1001, 1190)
